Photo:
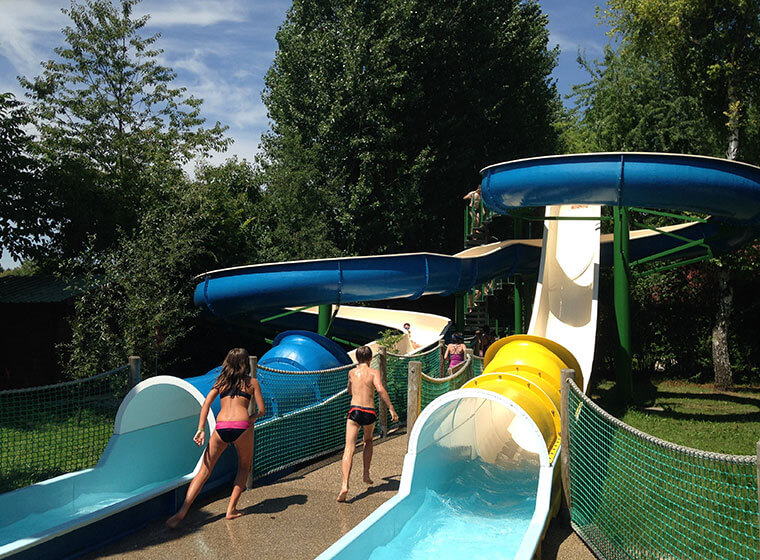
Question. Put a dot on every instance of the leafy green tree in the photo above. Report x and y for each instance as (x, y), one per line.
(384, 112)
(633, 103)
(713, 49)
(21, 204)
(141, 300)
(109, 122)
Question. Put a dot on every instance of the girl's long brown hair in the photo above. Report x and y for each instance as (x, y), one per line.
(235, 369)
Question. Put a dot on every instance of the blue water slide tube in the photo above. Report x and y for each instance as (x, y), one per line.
(297, 352)
(725, 189)
(252, 288)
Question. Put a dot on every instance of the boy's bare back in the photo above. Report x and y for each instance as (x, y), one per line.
(362, 382)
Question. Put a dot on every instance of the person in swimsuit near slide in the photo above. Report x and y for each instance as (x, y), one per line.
(362, 383)
(455, 351)
(234, 425)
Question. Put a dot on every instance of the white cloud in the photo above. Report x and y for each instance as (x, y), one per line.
(572, 45)
(196, 12)
(26, 28)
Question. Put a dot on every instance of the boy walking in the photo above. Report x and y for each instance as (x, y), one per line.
(363, 381)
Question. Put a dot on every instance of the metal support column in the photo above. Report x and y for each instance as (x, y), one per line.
(517, 279)
(517, 282)
(325, 314)
(460, 305)
(621, 279)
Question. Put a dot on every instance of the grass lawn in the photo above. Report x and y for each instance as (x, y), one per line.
(692, 415)
(45, 449)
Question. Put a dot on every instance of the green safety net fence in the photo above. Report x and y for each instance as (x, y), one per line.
(637, 497)
(313, 422)
(55, 429)
(305, 417)
(477, 365)
(398, 375)
(432, 388)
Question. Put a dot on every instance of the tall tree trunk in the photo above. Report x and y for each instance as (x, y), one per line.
(724, 378)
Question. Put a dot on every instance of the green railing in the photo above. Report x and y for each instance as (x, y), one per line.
(433, 387)
(633, 496)
(56, 429)
(314, 422)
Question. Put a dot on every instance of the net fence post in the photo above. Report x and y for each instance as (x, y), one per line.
(382, 364)
(441, 361)
(567, 375)
(135, 370)
(413, 395)
(253, 363)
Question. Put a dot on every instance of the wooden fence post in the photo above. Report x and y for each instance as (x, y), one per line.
(567, 374)
(135, 370)
(441, 361)
(382, 364)
(253, 362)
(413, 395)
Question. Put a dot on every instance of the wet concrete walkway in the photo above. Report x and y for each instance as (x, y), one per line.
(295, 517)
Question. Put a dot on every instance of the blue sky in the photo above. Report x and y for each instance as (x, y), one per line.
(221, 49)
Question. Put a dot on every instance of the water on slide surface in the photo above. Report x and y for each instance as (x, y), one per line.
(484, 514)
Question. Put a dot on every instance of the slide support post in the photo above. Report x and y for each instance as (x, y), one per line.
(253, 363)
(459, 309)
(517, 225)
(518, 304)
(621, 280)
(567, 375)
(135, 369)
(325, 314)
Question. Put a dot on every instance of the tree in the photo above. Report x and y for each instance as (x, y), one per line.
(633, 103)
(142, 287)
(384, 112)
(713, 50)
(109, 121)
(21, 204)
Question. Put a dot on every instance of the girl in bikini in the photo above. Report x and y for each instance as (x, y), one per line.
(455, 351)
(234, 426)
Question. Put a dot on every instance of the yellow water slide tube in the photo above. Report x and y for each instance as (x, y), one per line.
(527, 370)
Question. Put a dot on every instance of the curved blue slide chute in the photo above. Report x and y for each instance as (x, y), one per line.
(728, 190)
(247, 289)
(296, 352)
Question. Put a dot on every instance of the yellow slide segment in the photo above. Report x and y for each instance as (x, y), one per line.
(527, 370)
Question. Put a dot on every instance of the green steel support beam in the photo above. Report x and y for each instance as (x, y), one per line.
(672, 266)
(344, 341)
(668, 215)
(621, 280)
(285, 314)
(518, 283)
(325, 319)
(460, 306)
